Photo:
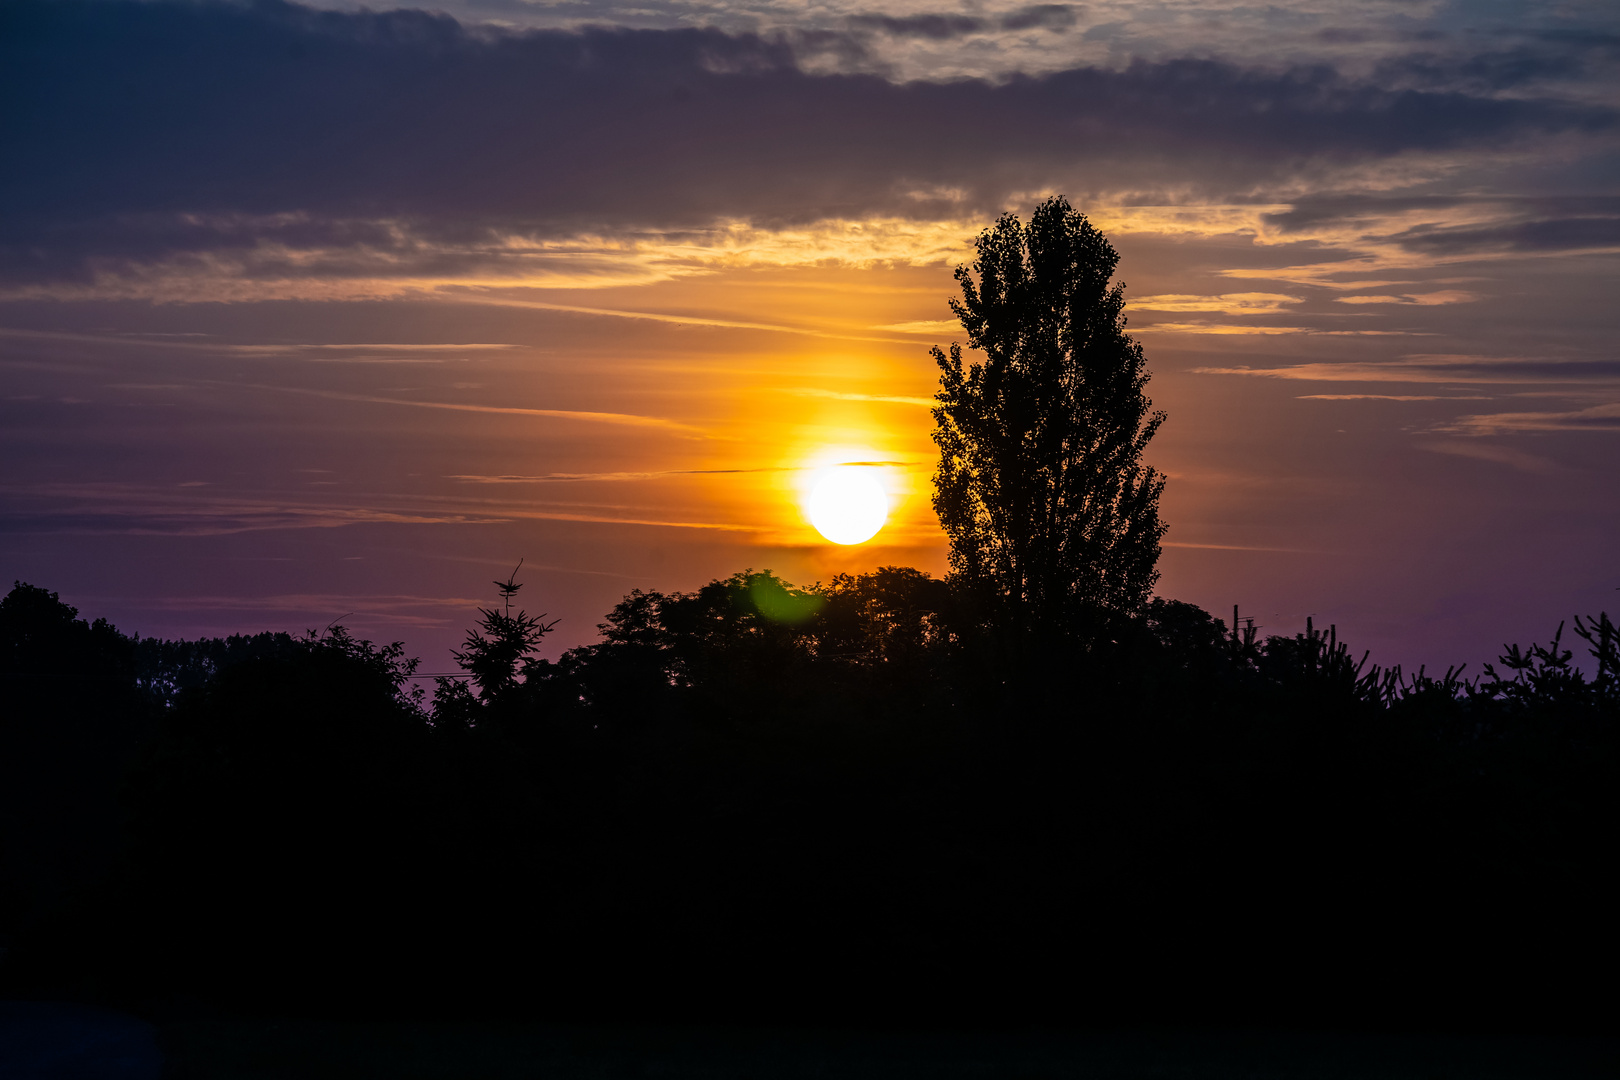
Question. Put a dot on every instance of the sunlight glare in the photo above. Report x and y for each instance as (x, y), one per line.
(848, 504)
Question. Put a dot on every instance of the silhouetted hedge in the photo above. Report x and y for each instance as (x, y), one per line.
(840, 803)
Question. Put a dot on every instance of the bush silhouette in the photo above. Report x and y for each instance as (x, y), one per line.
(714, 812)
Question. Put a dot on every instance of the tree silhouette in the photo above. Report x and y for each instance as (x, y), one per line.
(494, 654)
(755, 801)
(1052, 516)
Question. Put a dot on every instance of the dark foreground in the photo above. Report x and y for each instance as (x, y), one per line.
(851, 806)
(41, 1040)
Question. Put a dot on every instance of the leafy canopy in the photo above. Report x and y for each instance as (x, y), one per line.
(1052, 517)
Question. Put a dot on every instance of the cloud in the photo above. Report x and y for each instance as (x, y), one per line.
(924, 326)
(1408, 230)
(1226, 303)
(1042, 17)
(945, 27)
(1236, 547)
(1433, 299)
(1364, 210)
(887, 399)
(273, 142)
(937, 27)
(137, 510)
(366, 353)
(1437, 368)
(604, 477)
(360, 604)
(620, 419)
(1604, 417)
(1240, 329)
(1501, 455)
(499, 298)
(1504, 48)
(1220, 328)
(1535, 60)
(1393, 397)
(145, 510)
(491, 266)
(1587, 233)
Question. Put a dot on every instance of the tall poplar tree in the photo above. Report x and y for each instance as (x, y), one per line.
(1052, 516)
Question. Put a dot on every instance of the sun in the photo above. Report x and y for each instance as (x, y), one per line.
(848, 504)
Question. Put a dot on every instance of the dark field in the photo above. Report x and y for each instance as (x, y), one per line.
(262, 1049)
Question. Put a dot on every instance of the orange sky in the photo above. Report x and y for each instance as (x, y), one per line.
(279, 351)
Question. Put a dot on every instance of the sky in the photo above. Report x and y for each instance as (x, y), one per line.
(335, 313)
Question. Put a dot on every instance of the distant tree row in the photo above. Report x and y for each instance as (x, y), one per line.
(759, 801)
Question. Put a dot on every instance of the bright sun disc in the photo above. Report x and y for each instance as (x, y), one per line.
(848, 505)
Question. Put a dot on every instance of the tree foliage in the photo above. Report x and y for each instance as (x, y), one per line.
(496, 657)
(1041, 488)
(754, 800)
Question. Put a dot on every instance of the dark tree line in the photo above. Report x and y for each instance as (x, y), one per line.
(762, 801)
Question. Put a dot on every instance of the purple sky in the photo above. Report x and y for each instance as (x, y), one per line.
(318, 313)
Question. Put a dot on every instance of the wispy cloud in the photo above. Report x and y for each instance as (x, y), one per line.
(843, 395)
(1437, 368)
(1433, 299)
(507, 298)
(381, 353)
(931, 327)
(1237, 547)
(139, 510)
(1244, 329)
(400, 347)
(660, 523)
(1598, 418)
(309, 602)
(1252, 303)
(134, 510)
(1220, 328)
(1392, 397)
(628, 419)
(1510, 456)
(602, 477)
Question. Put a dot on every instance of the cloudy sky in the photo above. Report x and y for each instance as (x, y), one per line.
(338, 311)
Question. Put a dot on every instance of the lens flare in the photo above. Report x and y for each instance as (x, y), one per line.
(848, 505)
